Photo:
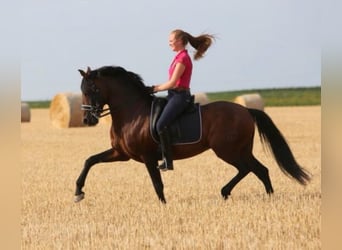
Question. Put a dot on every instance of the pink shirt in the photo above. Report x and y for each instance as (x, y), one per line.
(184, 58)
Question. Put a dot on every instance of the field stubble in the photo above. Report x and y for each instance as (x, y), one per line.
(121, 209)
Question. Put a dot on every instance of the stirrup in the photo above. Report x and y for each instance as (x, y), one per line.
(164, 167)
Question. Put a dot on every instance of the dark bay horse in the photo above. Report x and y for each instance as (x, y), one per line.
(227, 128)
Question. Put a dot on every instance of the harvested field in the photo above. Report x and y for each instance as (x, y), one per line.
(121, 209)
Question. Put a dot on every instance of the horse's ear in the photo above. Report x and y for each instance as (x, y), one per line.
(82, 73)
(85, 74)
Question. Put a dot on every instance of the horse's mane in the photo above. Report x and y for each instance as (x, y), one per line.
(117, 71)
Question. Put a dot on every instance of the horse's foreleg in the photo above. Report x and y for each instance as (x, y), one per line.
(109, 155)
(156, 179)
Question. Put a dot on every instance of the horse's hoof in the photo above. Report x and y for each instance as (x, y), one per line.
(225, 196)
(79, 197)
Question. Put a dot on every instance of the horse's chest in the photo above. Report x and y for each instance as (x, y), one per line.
(126, 144)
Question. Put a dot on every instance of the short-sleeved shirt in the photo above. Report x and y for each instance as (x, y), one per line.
(184, 58)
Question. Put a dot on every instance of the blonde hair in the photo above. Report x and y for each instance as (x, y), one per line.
(201, 43)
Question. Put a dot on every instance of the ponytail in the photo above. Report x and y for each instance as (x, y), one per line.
(201, 43)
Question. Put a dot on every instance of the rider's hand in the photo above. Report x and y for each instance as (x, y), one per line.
(150, 89)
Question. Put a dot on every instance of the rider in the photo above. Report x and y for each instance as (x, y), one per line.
(178, 86)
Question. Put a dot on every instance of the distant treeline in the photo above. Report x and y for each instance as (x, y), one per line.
(276, 97)
(272, 97)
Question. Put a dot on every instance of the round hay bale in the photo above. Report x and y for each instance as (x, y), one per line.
(201, 98)
(250, 101)
(65, 110)
(107, 120)
(25, 112)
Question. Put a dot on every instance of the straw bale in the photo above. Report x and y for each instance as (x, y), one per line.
(107, 120)
(65, 110)
(25, 112)
(250, 101)
(201, 98)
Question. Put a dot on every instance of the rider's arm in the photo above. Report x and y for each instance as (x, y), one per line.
(170, 84)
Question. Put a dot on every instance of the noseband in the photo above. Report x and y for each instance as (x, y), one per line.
(95, 110)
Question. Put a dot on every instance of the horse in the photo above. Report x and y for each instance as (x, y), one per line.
(227, 128)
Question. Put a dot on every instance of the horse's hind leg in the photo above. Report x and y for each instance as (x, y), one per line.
(262, 173)
(226, 190)
(252, 165)
(240, 164)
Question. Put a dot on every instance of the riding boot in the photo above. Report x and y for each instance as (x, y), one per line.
(165, 142)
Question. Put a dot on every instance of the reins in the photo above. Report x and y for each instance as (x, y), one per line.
(94, 110)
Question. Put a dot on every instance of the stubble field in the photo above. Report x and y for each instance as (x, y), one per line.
(121, 209)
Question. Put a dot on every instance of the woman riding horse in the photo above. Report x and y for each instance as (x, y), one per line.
(178, 86)
(227, 128)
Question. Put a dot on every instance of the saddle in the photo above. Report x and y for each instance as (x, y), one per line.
(186, 129)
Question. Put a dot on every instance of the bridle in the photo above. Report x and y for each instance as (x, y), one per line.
(95, 110)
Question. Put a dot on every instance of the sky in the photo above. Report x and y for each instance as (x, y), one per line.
(259, 43)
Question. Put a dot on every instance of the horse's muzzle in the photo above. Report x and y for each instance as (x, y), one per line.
(89, 119)
(90, 116)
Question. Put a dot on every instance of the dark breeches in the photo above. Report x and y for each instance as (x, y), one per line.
(177, 102)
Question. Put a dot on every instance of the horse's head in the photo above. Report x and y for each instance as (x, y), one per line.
(113, 86)
(92, 100)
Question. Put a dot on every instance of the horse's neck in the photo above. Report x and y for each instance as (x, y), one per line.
(129, 113)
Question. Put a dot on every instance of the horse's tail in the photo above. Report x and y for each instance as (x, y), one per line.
(272, 137)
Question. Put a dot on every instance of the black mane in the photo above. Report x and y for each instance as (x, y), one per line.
(117, 71)
(110, 71)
